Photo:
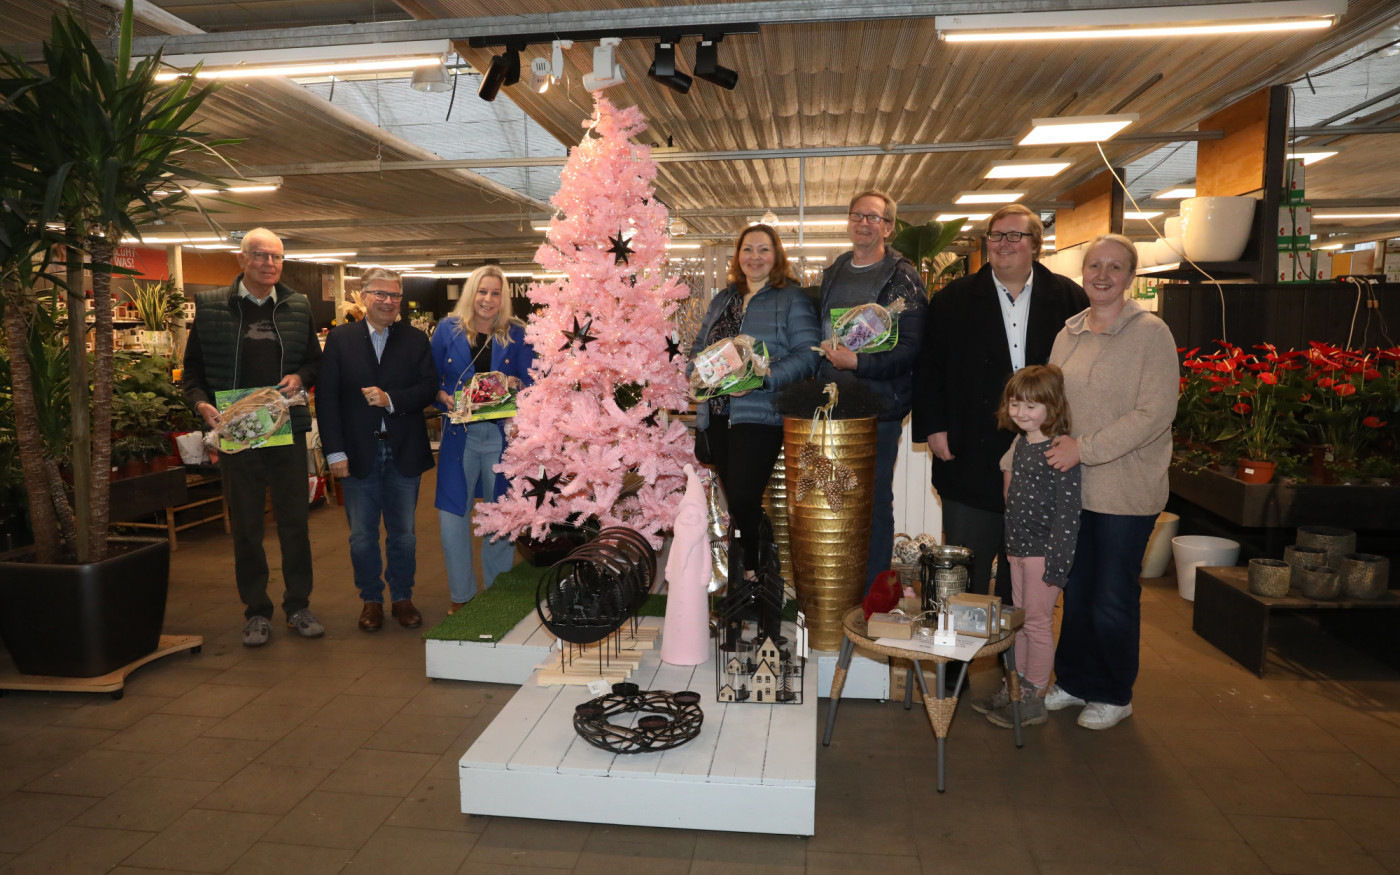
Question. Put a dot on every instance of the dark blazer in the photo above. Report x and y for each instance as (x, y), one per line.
(348, 425)
(963, 367)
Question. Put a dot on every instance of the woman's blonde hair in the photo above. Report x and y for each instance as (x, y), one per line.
(1039, 384)
(500, 325)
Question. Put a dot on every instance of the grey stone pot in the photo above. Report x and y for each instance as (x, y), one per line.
(1299, 557)
(1320, 582)
(1365, 575)
(1269, 577)
(1337, 542)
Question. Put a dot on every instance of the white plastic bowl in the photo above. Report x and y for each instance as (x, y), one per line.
(1192, 551)
(1216, 228)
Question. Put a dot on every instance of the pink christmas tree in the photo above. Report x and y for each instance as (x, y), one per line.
(592, 435)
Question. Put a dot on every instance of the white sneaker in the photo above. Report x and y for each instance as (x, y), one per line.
(1101, 715)
(1057, 699)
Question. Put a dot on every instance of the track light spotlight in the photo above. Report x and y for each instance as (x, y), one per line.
(606, 70)
(663, 69)
(539, 75)
(504, 70)
(707, 65)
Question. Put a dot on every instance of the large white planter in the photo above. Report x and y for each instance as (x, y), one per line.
(1191, 551)
(1159, 545)
(1216, 228)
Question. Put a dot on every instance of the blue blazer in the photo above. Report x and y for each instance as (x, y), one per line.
(453, 356)
(347, 424)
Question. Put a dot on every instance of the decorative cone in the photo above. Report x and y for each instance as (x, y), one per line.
(829, 546)
(685, 639)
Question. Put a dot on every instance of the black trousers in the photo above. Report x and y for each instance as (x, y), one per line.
(744, 456)
(984, 532)
(247, 478)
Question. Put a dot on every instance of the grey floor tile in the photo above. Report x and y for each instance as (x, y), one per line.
(264, 858)
(262, 788)
(209, 759)
(203, 841)
(413, 851)
(79, 849)
(146, 803)
(333, 820)
(380, 773)
(32, 817)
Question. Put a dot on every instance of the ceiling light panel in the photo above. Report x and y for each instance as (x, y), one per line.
(1311, 157)
(1254, 18)
(989, 197)
(1026, 169)
(1076, 129)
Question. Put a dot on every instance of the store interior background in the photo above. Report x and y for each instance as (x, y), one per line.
(319, 760)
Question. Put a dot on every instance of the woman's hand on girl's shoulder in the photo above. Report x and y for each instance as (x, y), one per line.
(1063, 453)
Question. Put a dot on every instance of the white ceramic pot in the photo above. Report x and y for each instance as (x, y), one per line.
(1159, 545)
(1163, 253)
(1216, 228)
(1145, 255)
(1172, 227)
(1192, 551)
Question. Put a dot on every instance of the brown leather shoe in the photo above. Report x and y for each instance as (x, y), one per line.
(407, 614)
(455, 607)
(372, 617)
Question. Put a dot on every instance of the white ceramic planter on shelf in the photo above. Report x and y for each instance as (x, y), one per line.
(1192, 551)
(1216, 228)
(1172, 227)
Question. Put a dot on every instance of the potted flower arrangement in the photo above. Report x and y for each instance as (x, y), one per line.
(158, 305)
(90, 144)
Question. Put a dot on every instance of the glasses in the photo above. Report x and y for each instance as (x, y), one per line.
(386, 296)
(1013, 236)
(266, 257)
(867, 218)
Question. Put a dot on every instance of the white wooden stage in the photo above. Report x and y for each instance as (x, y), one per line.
(512, 660)
(751, 769)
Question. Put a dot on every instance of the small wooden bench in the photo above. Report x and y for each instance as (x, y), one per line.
(1236, 620)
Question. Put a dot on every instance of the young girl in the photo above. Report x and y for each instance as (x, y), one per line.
(1042, 525)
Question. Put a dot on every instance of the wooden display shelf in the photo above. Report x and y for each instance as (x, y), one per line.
(171, 526)
(1279, 504)
(111, 683)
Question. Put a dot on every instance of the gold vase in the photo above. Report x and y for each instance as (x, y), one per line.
(828, 546)
(776, 505)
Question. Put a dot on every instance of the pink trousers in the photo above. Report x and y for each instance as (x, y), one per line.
(1035, 644)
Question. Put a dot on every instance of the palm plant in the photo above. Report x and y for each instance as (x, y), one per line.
(89, 143)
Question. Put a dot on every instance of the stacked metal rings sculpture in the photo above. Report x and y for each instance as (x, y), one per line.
(667, 719)
(593, 590)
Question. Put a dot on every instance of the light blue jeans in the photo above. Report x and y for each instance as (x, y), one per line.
(482, 452)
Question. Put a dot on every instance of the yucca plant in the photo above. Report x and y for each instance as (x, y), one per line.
(158, 304)
(90, 143)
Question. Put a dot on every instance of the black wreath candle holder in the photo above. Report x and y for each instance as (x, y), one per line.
(597, 587)
(666, 720)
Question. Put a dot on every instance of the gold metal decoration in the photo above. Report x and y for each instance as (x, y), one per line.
(719, 535)
(829, 543)
(775, 503)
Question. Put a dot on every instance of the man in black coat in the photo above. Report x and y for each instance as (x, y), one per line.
(979, 331)
(377, 375)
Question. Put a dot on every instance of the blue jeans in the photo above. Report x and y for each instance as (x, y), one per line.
(384, 494)
(482, 452)
(1097, 658)
(882, 508)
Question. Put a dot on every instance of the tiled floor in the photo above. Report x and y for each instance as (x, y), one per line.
(338, 755)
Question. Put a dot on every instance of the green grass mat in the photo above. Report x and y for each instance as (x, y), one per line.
(489, 616)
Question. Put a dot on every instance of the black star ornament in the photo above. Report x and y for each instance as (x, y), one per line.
(650, 418)
(621, 250)
(541, 487)
(673, 348)
(579, 335)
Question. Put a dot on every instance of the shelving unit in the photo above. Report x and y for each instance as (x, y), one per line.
(198, 498)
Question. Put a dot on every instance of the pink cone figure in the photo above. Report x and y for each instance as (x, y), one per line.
(685, 640)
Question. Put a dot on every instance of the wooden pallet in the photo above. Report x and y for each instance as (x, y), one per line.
(613, 659)
(751, 769)
(111, 683)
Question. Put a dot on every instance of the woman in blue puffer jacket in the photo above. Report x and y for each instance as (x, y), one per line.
(745, 430)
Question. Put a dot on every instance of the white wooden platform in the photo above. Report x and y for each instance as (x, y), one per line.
(751, 769)
(513, 659)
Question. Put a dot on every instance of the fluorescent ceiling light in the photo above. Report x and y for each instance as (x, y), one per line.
(307, 256)
(1047, 238)
(365, 265)
(1317, 216)
(1148, 21)
(1176, 193)
(806, 223)
(682, 245)
(989, 197)
(1141, 214)
(310, 60)
(1076, 129)
(1331, 246)
(967, 217)
(172, 239)
(1025, 169)
(215, 246)
(1311, 157)
(827, 244)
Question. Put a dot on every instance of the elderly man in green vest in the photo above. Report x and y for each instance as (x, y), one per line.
(259, 332)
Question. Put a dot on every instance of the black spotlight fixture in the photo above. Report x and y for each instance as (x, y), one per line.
(663, 69)
(707, 64)
(504, 70)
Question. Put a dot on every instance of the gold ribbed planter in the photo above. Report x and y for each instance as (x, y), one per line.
(775, 504)
(829, 547)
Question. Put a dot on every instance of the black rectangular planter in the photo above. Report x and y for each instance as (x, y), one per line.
(85, 620)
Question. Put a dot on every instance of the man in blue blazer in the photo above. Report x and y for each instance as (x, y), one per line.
(377, 376)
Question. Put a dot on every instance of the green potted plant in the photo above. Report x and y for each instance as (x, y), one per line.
(90, 144)
(138, 423)
(926, 246)
(158, 305)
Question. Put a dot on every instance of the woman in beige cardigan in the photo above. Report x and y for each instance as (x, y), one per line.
(1121, 373)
